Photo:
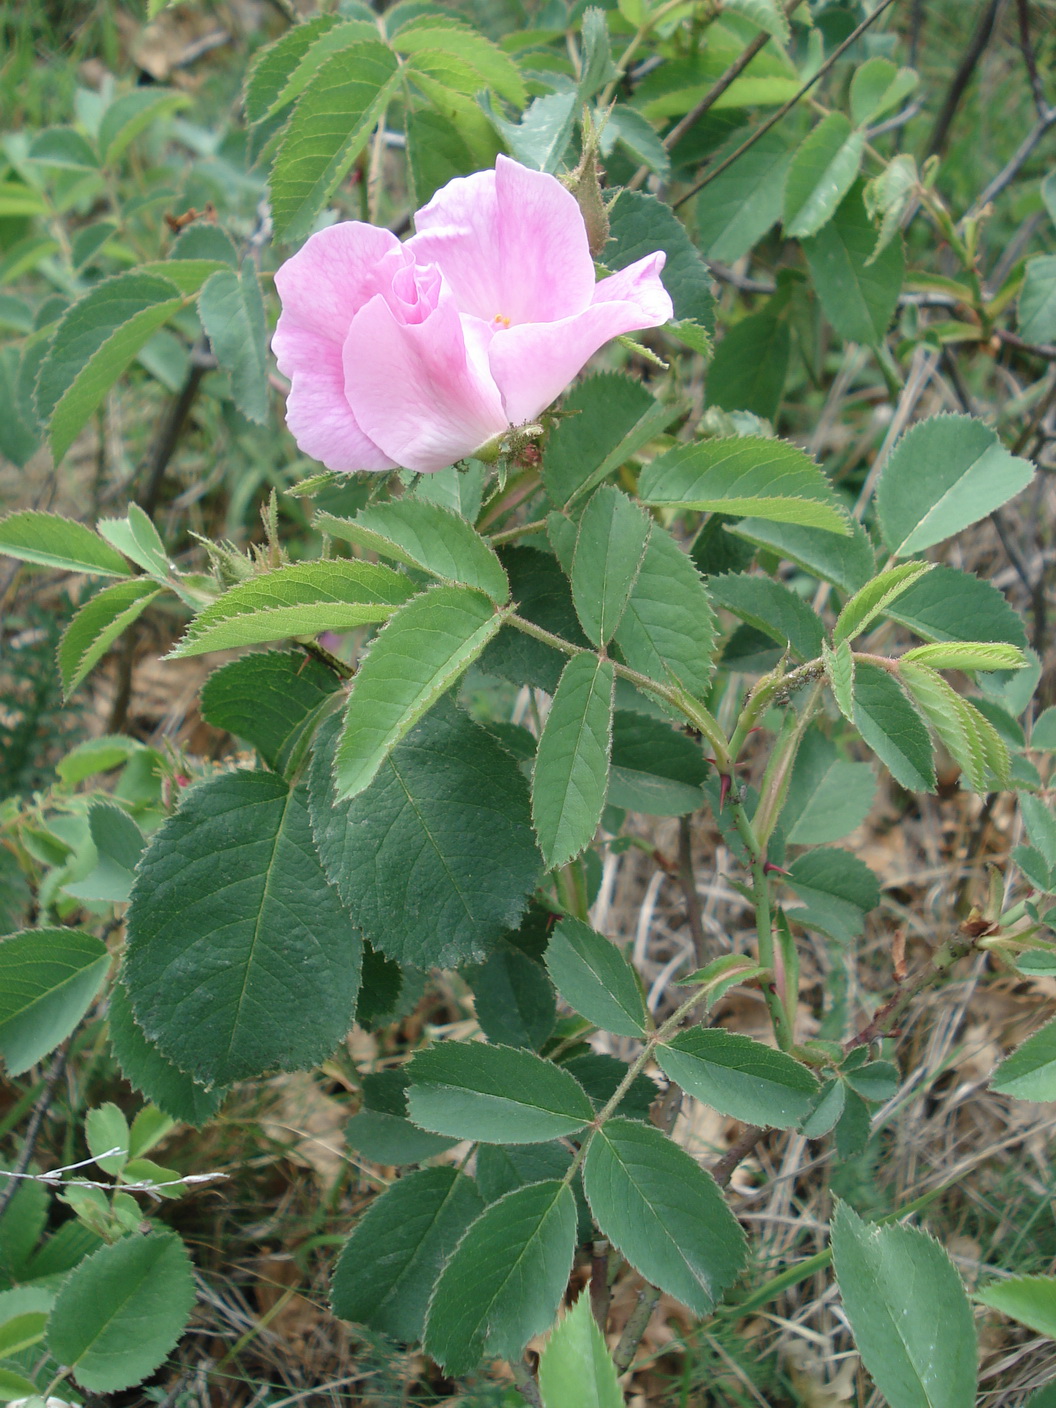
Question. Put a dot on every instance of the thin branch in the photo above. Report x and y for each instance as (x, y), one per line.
(723, 1169)
(635, 1328)
(1029, 57)
(527, 1384)
(688, 881)
(783, 111)
(1023, 152)
(959, 83)
(36, 1120)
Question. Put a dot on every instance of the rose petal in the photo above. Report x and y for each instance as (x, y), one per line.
(317, 411)
(416, 390)
(511, 243)
(532, 365)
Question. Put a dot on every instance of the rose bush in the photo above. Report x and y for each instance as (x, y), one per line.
(417, 354)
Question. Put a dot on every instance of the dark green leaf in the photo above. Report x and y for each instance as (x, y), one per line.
(772, 608)
(846, 562)
(947, 604)
(858, 295)
(892, 728)
(750, 364)
(838, 891)
(119, 844)
(595, 979)
(654, 769)
(503, 1167)
(601, 1076)
(640, 225)
(48, 979)
(1037, 299)
(391, 1140)
(268, 699)
(542, 595)
(513, 999)
(739, 1076)
(154, 1075)
(741, 204)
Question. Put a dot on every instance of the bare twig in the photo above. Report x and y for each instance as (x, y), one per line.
(783, 111)
(959, 83)
(635, 1328)
(723, 1169)
(1029, 57)
(527, 1384)
(36, 1120)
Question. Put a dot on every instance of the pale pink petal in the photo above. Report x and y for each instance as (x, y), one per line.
(533, 365)
(415, 390)
(511, 243)
(317, 411)
(328, 280)
(639, 283)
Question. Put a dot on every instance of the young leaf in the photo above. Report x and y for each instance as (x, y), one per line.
(827, 796)
(106, 1128)
(119, 844)
(772, 608)
(241, 958)
(839, 671)
(272, 67)
(858, 290)
(389, 1265)
(742, 202)
(575, 1370)
(745, 475)
(838, 891)
(970, 738)
(572, 760)
(268, 699)
(967, 655)
(892, 728)
(48, 979)
(1030, 1072)
(823, 170)
(121, 1310)
(495, 1094)
(668, 629)
(663, 1212)
(1029, 1299)
(505, 1281)
(425, 536)
(873, 599)
(943, 475)
(329, 128)
(613, 533)
(740, 1077)
(909, 1313)
(415, 659)
(595, 979)
(405, 854)
(136, 536)
(232, 313)
(98, 623)
(51, 541)
(94, 342)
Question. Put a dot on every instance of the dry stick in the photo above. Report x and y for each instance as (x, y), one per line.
(783, 111)
(714, 93)
(36, 1119)
(963, 76)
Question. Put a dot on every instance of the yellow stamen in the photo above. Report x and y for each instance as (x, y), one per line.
(501, 318)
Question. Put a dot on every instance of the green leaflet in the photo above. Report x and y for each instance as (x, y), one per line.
(572, 760)
(892, 728)
(610, 546)
(947, 604)
(1030, 1072)
(48, 979)
(967, 655)
(575, 1370)
(268, 699)
(839, 671)
(877, 87)
(51, 541)
(748, 370)
(415, 659)
(595, 979)
(943, 475)
(838, 891)
(873, 599)
(1037, 299)
(495, 1094)
(668, 629)
(425, 536)
(506, 1279)
(446, 34)
(329, 128)
(970, 738)
(744, 201)
(389, 1265)
(739, 1076)
(745, 475)
(98, 623)
(1029, 1299)
(823, 170)
(846, 562)
(911, 1319)
(151, 1073)
(121, 1310)
(827, 795)
(663, 1212)
(858, 294)
(131, 114)
(513, 999)
(639, 225)
(304, 599)
(772, 608)
(232, 313)
(241, 958)
(268, 79)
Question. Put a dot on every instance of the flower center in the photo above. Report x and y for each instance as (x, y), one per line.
(501, 320)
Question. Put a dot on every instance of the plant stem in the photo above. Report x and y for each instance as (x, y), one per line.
(635, 1328)
(527, 1384)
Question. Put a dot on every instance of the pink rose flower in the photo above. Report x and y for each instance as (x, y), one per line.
(420, 353)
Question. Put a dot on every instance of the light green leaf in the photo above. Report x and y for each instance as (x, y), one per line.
(415, 659)
(506, 1279)
(119, 843)
(48, 980)
(873, 599)
(241, 958)
(63, 147)
(232, 313)
(428, 537)
(20, 1332)
(892, 728)
(98, 624)
(838, 891)
(447, 795)
(823, 170)
(138, 539)
(391, 1262)
(268, 699)
(301, 600)
(572, 760)
(909, 1313)
(329, 128)
(943, 475)
(740, 1077)
(540, 140)
(613, 532)
(827, 796)
(839, 671)
(495, 1094)
(768, 15)
(1030, 1072)
(95, 341)
(447, 34)
(970, 738)
(575, 1370)
(133, 113)
(51, 541)
(967, 655)
(745, 475)
(638, 135)
(121, 1310)
(1029, 1299)
(877, 87)
(595, 979)
(663, 1212)
(858, 290)
(1037, 299)
(106, 1128)
(741, 204)
(596, 63)
(14, 1385)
